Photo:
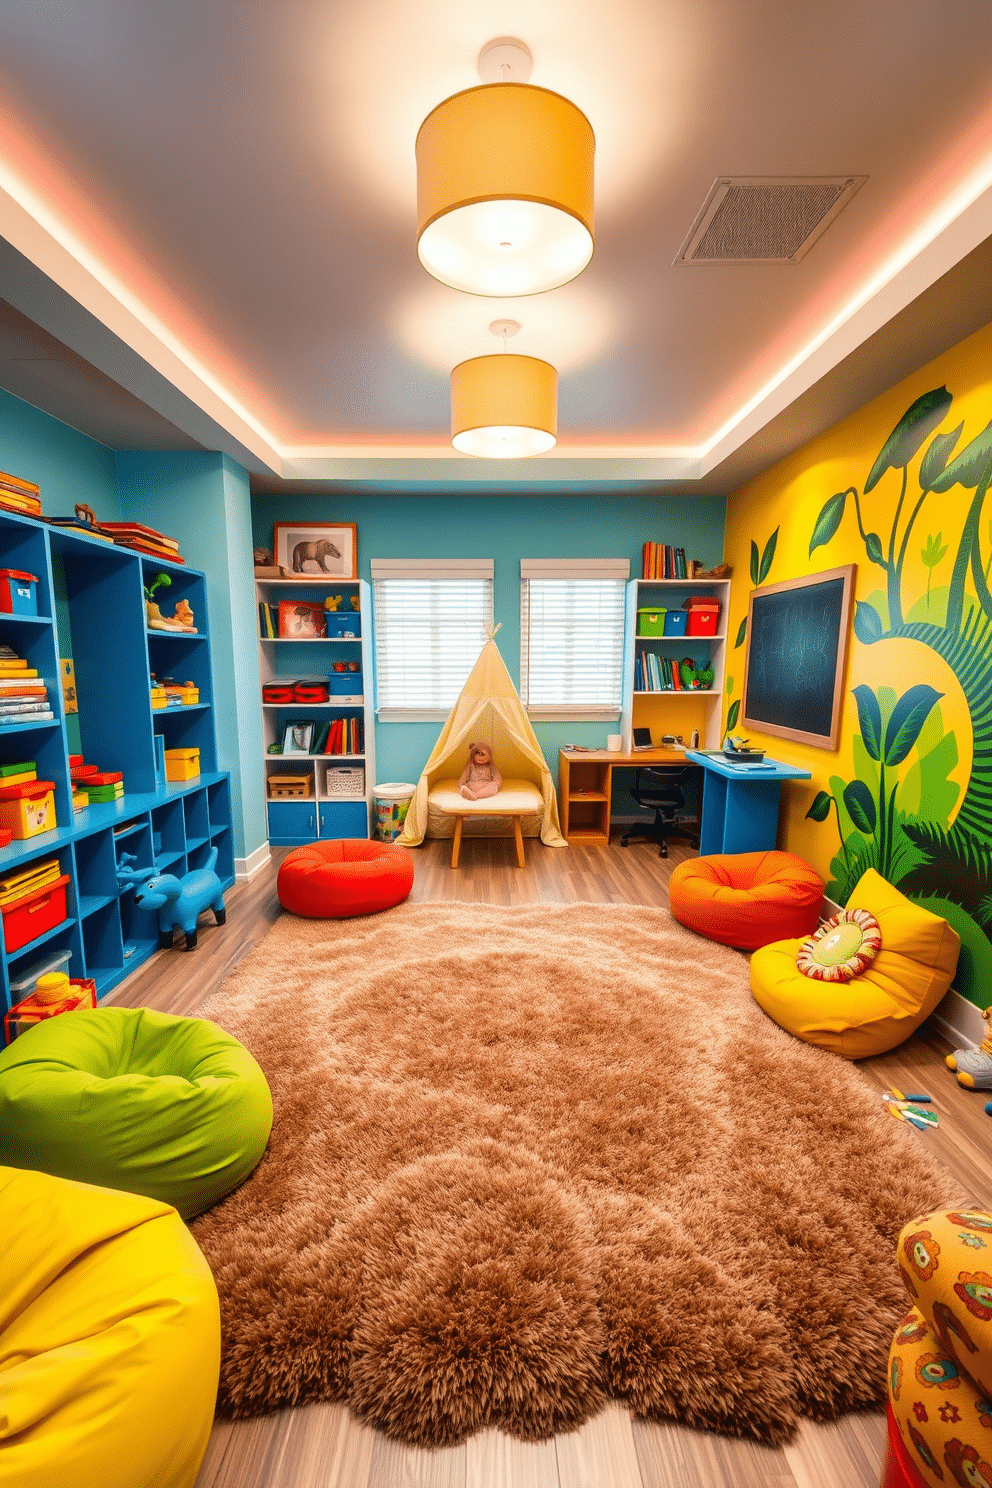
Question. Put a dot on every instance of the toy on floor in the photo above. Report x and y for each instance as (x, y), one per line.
(180, 901)
(480, 778)
(973, 1067)
(908, 1108)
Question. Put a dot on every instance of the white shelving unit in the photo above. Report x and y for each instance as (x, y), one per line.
(692, 709)
(324, 813)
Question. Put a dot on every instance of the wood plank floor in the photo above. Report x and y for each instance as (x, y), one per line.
(326, 1447)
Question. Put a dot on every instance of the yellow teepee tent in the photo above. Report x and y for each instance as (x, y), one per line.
(488, 709)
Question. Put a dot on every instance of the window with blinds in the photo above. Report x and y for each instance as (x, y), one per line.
(571, 637)
(432, 619)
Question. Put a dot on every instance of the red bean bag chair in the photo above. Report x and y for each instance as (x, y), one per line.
(350, 876)
(747, 899)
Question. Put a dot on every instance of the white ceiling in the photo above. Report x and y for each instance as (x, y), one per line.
(212, 203)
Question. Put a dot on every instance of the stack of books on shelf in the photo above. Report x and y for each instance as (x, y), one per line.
(91, 785)
(662, 561)
(23, 694)
(307, 736)
(143, 540)
(19, 495)
(654, 673)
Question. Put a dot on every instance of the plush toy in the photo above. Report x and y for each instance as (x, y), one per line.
(699, 678)
(480, 777)
(332, 601)
(356, 601)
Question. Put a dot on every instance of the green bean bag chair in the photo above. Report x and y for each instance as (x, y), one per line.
(127, 1098)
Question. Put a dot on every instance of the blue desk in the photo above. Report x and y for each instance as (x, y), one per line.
(740, 802)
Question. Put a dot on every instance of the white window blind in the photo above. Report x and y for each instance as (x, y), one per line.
(571, 636)
(432, 618)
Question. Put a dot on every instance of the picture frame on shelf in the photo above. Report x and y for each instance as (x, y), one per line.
(298, 736)
(316, 549)
(301, 620)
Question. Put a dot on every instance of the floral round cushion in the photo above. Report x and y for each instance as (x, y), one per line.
(842, 948)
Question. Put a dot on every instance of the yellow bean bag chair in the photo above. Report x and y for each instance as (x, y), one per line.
(940, 1363)
(885, 1004)
(109, 1339)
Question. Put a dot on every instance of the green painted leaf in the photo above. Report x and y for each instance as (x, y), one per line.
(860, 806)
(936, 457)
(867, 623)
(919, 420)
(732, 713)
(741, 633)
(820, 809)
(830, 518)
(869, 720)
(873, 547)
(767, 556)
(754, 561)
(729, 686)
(966, 470)
(908, 717)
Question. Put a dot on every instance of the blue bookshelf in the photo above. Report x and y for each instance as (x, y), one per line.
(99, 620)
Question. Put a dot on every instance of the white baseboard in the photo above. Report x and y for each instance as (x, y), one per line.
(246, 868)
(959, 1020)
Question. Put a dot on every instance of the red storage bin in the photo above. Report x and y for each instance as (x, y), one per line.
(310, 692)
(31, 916)
(278, 692)
(704, 616)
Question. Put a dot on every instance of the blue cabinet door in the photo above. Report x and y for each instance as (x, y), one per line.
(292, 821)
(344, 818)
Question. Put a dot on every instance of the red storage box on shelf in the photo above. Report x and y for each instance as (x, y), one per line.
(310, 692)
(278, 692)
(27, 918)
(82, 994)
(704, 616)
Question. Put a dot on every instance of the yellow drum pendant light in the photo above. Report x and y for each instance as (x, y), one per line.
(505, 186)
(504, 407)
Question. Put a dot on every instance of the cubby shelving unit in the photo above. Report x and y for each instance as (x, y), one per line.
(323, 813)
(100, 621)
(674, 712)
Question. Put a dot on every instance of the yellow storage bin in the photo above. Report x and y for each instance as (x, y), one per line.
(182, 764)
(29, 808)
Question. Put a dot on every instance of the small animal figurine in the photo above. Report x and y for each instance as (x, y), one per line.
(262, 557)
(356, 601)
(332, 601)
(180, 900)
(314, 552)
(480, 777)
(183, 615)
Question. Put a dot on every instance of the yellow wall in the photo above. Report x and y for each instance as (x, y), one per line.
(942, 640)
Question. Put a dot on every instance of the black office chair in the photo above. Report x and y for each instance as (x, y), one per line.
(660, 791)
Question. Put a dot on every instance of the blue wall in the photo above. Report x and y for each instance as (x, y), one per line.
(67, 465)
(506, 529)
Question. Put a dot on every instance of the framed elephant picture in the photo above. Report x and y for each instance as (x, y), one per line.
(316, 549)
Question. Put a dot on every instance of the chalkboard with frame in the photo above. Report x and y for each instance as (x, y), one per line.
(797, 635)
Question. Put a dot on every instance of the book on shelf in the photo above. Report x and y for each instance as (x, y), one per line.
(136, 532)
(301, 620)
(16, 483)
(320, 740)
(663, 561)
(268, 621)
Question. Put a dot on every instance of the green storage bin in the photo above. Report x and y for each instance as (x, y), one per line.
(651, 622)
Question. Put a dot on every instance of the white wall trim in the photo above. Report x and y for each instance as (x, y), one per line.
(246, 868)
(959, 1020)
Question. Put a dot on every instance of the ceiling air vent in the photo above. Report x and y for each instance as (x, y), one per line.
(772, 219)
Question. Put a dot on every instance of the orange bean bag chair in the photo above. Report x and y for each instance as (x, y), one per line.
(747, 899)
(349, 876)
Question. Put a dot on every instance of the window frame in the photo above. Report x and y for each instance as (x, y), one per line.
(614, 570)
(427, 570)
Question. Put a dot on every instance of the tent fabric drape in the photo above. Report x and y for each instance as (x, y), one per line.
(488, 709)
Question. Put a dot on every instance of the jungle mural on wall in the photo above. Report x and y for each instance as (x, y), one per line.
(910, 791)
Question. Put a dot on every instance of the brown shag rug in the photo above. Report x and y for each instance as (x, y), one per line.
(527, 1159)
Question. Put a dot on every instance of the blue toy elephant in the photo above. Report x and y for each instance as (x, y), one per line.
(180, 900)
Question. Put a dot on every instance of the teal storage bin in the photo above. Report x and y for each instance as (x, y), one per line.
(343, 622)
(675, 622)
(344, 684)
(651, 622)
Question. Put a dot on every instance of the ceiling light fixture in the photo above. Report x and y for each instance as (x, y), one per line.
(505, 183)
(504, 407)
